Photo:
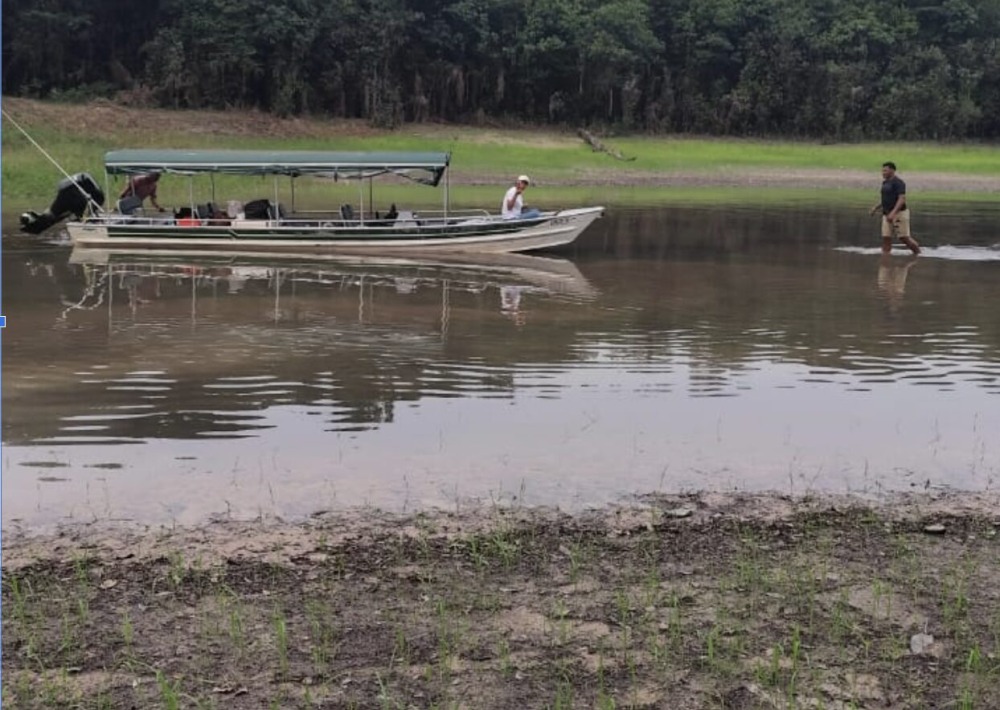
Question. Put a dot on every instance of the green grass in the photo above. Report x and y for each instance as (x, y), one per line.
(719, 154)
(564, 168)
(560, 154)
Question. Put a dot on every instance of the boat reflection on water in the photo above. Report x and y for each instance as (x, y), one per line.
(173, 346)
(142, 275)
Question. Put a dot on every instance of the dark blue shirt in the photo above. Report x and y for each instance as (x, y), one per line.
(891, 190)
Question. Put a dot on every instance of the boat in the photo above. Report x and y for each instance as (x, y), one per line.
(266, 226)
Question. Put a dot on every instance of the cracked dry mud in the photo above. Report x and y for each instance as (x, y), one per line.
(749, 602)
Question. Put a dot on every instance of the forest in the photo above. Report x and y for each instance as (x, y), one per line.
(823, 69)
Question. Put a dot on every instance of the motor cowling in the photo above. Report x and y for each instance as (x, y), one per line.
(73, 194)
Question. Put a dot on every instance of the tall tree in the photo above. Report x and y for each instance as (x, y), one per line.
(832, 68)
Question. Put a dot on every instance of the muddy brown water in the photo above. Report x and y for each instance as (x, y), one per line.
(670, 350)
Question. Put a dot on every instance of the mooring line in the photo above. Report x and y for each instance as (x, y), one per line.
(96, 207)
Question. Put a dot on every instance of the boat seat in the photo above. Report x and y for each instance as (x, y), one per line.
(256, 209)
(128, 205)
(205, 211)
(405, 219)
(347, 213)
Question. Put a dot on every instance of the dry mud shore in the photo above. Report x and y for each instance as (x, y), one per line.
(705, 601)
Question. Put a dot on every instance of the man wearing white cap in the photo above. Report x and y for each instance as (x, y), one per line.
(512, 206)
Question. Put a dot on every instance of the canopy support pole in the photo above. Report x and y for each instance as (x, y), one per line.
(292, 180)
(212, 175)
(361, 195)
(276, 211)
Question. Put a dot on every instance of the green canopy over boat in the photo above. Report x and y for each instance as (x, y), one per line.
(424, 167)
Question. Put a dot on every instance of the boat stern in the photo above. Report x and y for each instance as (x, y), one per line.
(88, 233)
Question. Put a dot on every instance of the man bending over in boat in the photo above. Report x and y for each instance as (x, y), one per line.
(512, 206)
(143, 186)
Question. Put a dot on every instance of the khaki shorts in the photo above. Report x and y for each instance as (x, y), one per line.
(899, 228)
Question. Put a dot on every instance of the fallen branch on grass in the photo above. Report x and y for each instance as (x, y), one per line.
(598, 146)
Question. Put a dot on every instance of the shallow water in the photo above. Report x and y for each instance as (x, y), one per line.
(671, 350)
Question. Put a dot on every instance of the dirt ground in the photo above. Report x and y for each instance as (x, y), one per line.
(102, 118)
(702, 601)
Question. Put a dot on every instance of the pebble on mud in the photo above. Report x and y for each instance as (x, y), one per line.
(680, 512)
(919, 643)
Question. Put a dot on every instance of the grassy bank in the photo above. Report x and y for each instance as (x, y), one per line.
(722, 154)
(680, 605)
(662, 170)
(567, 171)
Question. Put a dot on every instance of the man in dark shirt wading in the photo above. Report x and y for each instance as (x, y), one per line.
(895, 215)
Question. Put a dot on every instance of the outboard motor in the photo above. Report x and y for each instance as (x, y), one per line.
(69, 201)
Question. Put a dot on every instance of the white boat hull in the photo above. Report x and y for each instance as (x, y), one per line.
(558, 229)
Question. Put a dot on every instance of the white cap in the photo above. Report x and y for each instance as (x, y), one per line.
(524, 179)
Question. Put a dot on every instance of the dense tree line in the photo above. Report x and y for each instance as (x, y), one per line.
(841, 69)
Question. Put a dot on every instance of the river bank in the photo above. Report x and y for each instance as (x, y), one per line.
(712, 600)
(672, 169)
